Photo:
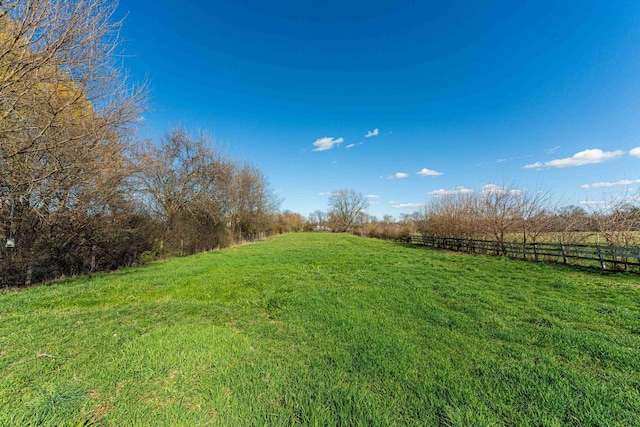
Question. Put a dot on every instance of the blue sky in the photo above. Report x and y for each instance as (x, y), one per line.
(401, 100)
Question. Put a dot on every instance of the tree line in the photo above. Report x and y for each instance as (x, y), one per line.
(79, 191)
(507, 214)
(502, 214)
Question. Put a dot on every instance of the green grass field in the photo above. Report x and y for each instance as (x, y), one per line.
(324, 329)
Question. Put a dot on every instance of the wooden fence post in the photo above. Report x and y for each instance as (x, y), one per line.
(27, 280)
(564, 255)
(600, 257)
(93, 265)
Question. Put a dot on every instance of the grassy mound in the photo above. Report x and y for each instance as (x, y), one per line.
(324, 329)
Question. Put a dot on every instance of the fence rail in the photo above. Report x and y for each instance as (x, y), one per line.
(252, 237)
(610, 258)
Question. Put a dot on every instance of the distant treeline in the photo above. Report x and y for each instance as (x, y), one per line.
(506, 214)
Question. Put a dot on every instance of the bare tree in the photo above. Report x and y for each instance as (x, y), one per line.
(347, 208)
(535, 212)
(500, 208)
(321, 216)
(201, 198)
(455, 215)
(572, 224)
(617, 219)
(66, 114)
(253, 205)
(187, 186)
(61, 87)
(316, 221)
(290, 222)
(178, 170)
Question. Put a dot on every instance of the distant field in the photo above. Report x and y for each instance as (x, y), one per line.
(324, 329)
(586, 237)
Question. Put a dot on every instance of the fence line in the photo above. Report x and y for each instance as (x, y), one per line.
(252, 237)
(609, 258)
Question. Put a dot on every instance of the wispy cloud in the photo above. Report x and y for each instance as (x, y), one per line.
(350, 146)
(371, 133)
(398, 175)
(326, 143)
(452, 191)
(552, 150)
(635, 152)
(496, 189)
(611, 184)
(510, 159)
(585, 157)
(408, 205)
(611, 203)
(325, 194)
(372, 196)
(593, 202)
(428, 172)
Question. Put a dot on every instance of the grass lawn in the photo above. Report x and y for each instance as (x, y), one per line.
(324, 329)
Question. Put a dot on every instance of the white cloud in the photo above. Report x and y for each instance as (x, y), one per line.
(372, 196)
(457, 190)
(325, 194)
(536, 165)
(585, 157)
(635, 152)
(371, 133)
(552, 150)
(508, 160)
(611, 184)
(496, 189)
(428, 172)
(398, 175)
(408, 205)
(611, 203)
(350, 146)
(326, 143)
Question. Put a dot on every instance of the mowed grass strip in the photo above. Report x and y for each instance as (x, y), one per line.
(324, 329)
